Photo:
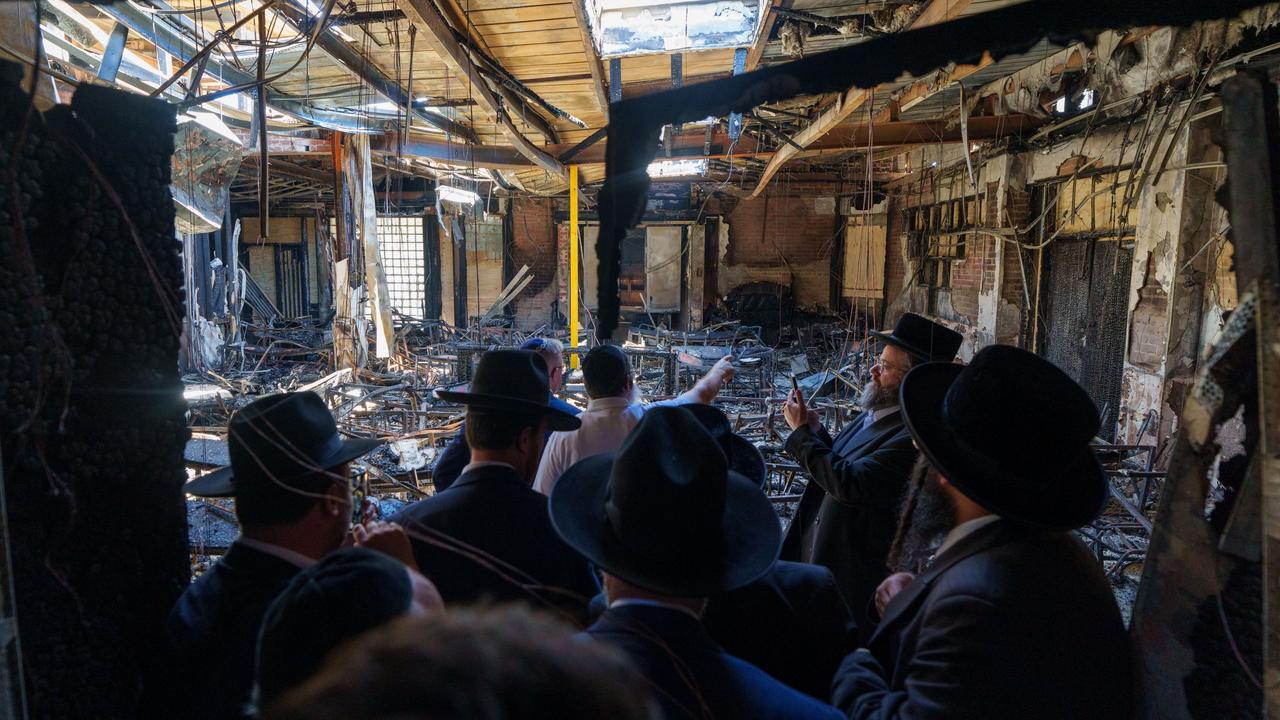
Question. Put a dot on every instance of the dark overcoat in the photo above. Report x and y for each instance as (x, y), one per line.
(491, 509)
(1011, 622)
(209, 665)
(792, 623)
(849, 511)
(693, 678)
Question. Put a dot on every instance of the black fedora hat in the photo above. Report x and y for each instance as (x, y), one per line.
(666, 513)
(279, 439)
(744, 458)
(512, 381)
(1011, 431)
(922, 338)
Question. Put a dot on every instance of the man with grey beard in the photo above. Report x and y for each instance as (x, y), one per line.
(847, 514)
(999, 612)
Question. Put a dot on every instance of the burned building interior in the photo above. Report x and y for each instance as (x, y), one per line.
(206, 203)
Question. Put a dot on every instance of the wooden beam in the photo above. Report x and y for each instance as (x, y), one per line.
(457, 18)
(593, 59)
(926, 88)
(756, 51)
(690, 145)
(850, 100)
(437, 33)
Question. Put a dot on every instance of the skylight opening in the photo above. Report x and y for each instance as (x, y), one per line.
(677, 168)
(637, 27)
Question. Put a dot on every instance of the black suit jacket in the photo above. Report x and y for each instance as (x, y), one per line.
(791, 623)
(1011, 622)
(213, 637)
(491, 509)
(691, 676)
(849, 510)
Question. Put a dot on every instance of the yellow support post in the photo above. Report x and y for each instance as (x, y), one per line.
(573, 262)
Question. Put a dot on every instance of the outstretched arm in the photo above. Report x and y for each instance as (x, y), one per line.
(708, 387)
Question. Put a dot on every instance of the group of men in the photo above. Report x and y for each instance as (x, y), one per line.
(928, 573)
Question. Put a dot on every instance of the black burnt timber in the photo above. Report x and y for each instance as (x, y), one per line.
(635, 122)
(92, 297)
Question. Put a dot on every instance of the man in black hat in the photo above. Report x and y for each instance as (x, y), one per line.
(1012, 617)
(289, 477)
(457, 454)
(488, 536)
(670, 524)
(809, 630)
(846, 516)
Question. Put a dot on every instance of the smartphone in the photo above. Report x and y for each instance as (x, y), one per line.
(796, 387)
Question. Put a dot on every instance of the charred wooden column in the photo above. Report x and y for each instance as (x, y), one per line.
(92, 424)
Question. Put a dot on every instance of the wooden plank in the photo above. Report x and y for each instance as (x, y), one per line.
(555, 52)
(436, 33)
(526, 27)
(533, 37)
(598, 85)
(509, 6)
(756, 51)
(852, 99)
(484, 18)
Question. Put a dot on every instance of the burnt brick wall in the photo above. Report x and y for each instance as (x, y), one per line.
(785, 236)
(533, 243)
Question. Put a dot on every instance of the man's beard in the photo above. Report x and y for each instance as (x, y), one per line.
(877, 397)
(928, 514)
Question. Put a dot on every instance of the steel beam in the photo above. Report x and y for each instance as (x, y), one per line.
(113, 54)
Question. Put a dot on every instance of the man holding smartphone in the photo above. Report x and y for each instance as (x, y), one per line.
(849, 509)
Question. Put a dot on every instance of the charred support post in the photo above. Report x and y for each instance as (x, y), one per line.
(260, 115)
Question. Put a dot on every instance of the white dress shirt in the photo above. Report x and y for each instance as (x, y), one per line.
(872, 417)
(964, 530)
(605, 424)
(290, 556)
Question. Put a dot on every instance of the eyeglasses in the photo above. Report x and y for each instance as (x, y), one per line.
(889, 366)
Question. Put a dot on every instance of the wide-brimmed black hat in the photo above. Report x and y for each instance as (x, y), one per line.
(280, 439)
(512, 381)
(1011, 431)
(666, 513)
(744, 458)
(922, 338)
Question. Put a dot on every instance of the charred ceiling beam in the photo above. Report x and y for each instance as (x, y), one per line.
(364, 68)
(368, 17)
(180, 45)
(504, 79)
(633, 130)
(938, 11)
(694, 146)
(923, 89)
(439, 35)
